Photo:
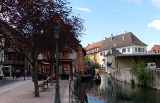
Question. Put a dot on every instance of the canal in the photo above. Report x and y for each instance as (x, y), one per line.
(111, 91)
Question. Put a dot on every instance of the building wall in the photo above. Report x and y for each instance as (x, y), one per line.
(102, 58)
(124, 63)
(98, 57)
(123, 71)
(108, 60)
(79, 62)
(129, 50)
(94, 57)
(132, 49)
(126, 74)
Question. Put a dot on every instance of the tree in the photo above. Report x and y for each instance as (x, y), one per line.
(142, 74)
(95, 66)
(33, 22)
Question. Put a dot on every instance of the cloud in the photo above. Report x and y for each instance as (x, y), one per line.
(83, 9)
(156, 2)
(155, 24)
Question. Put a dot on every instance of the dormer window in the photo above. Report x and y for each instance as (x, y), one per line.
(135, 49)
(123, 50)
(143, 50)
(128, 49)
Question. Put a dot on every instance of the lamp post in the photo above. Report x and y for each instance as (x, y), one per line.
(56, 36)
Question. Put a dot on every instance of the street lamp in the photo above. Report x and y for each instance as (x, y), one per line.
(56, 36)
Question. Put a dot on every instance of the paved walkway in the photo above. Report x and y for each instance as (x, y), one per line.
(23, 93)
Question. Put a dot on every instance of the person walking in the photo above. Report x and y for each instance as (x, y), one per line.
(54, 76)
(13, 74)
(16, 73)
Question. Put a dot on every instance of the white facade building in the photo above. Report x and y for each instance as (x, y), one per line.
(126, 43)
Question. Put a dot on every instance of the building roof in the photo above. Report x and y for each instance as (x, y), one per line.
(97, 44)
(154, 49)
(94, 45)
(123, 40)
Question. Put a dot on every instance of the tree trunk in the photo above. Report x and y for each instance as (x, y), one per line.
(35, 79)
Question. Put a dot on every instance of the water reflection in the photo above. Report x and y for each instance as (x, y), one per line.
(111, 91)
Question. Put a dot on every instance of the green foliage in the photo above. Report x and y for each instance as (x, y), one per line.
(142, 74)
(78, 79)
(132, 83)
(95, 66)
(86, 58)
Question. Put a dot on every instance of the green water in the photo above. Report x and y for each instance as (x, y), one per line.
(111, 91)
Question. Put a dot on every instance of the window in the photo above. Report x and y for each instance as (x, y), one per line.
(123, 50)
(139, 49)
(103, 53)
(135, 49)
(143, 50)
(118, 50)
(128, 49)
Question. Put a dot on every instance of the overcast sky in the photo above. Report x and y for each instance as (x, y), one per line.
(106, 17)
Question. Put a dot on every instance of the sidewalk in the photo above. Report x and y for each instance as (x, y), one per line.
(24, 94)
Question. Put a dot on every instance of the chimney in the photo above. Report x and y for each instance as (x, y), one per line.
(111, 37)
(123, 37)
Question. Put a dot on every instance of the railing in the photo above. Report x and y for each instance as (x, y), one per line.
(72, 97)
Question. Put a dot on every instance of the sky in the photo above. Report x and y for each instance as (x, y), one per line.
(105, 17)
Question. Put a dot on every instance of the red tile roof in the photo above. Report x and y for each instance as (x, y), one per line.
(94, 45)
(155, 49)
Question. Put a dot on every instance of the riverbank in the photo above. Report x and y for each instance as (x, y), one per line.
(24, 94)
(126, 75)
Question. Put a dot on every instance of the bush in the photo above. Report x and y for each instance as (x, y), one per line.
(132, 83)
(95, 66)
(142, 74)
(78, 79)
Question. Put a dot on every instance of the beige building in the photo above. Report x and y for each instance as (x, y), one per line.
(92, 51)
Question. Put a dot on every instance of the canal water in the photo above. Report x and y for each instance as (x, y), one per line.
(111, 91)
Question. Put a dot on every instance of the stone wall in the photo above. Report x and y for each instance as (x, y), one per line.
(126, 74)
(156, 79)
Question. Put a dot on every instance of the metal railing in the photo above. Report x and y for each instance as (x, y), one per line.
(72, 97)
